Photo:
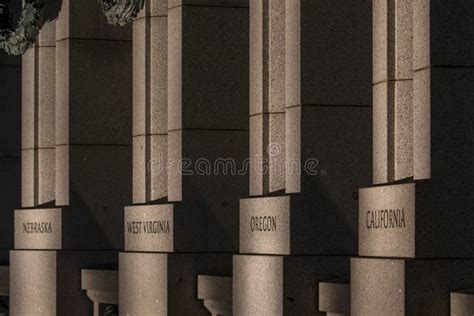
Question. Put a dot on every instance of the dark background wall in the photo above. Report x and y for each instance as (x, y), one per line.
(10, 131)
(10, 143)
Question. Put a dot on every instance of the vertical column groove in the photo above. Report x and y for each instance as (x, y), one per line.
(36, 127)
(147, 166)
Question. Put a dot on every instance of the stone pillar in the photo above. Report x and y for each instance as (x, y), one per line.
(264, 297)
(143, 276)
(190, 105)
(304, 194)
(150, 103)
(392, 90)
(143, 283)
(143, 290)
(38, 164)
(267, 97)
(421, 162)
(267, 152)
(38, 120)
(77, 101)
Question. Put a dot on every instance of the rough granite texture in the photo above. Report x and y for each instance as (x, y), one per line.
(335, 297)
(157, 283)
(48, 282)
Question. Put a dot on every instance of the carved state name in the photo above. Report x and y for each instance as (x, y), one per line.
(148, 227)
(384, 219)
(263, 223)
(37, 228)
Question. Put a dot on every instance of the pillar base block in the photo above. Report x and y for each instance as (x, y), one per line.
(159, 283)
(407, 286)
(44, 282)
(282, 285)
(462, 303)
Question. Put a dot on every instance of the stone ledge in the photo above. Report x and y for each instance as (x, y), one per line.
(335, 296)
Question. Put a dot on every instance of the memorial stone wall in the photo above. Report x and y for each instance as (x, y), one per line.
(239, 157)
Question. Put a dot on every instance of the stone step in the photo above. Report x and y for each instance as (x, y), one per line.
(282, 285)
(335, 297)
(462, 303)
(216, 291)
(101, 287)
(400, 220)
(382, 286)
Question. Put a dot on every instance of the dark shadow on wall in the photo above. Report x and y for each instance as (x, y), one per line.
(51, 9)
(10, 131)
(10, 144)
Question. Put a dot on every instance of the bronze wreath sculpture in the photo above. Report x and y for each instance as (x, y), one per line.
(121, 12)
(17, 41)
